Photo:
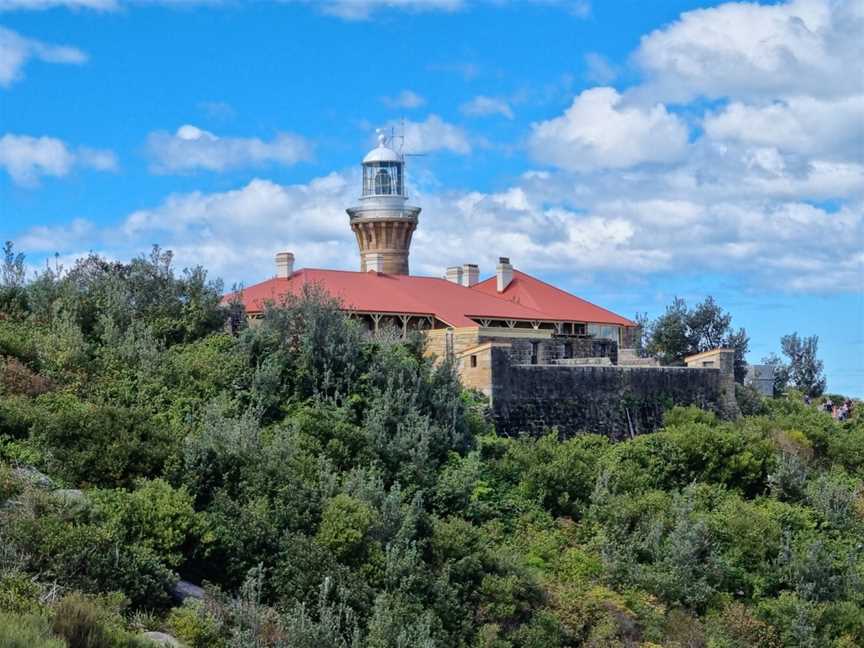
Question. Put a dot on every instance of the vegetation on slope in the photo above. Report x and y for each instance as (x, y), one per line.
(335, 490)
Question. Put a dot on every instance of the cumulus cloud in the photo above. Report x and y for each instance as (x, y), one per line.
(769, 193)
(405, 99)
(639, 226)
(26, 159)
(434, 134)
(191, 148)
(600, 130)
(748, 50)
(832, 128)
(233, 233)
(482, 106)
(16, 51)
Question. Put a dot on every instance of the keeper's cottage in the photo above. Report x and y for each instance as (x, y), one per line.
(497, 328)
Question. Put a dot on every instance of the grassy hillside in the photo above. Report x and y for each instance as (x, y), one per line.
(333, 490)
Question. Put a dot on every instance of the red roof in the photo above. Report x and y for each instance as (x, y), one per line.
(556, 304)
(449, 302)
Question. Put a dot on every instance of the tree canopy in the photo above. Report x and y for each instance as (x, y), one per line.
(682, 331)
(331, 488)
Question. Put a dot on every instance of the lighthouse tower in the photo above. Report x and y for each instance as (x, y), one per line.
(383, 222)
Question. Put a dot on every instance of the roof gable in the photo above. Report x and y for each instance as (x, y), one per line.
(526, 298)
(555, 303)
(385, 293)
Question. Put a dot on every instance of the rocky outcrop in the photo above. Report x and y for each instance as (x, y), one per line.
(161, 639)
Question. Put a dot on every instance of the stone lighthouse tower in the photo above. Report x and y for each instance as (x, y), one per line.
(383, 222)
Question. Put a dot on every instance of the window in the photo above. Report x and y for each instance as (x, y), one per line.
(603, 331)
(383, 184)
(473, 361)
(708, 363)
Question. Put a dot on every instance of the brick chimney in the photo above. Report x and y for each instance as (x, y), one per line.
(470, 274)
(504, 273)
(284, 265)
(454, 274)
(375, 262)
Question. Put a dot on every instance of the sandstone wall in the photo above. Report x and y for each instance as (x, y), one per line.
(616, 401)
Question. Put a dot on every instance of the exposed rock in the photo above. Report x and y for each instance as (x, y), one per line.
(184, 590)
(162, 639)
(30, 474)
(70, 495)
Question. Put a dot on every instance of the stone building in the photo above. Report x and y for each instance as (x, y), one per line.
(544, 357)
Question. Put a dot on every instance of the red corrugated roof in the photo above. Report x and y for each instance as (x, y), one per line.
(449, 302)
(555, 303)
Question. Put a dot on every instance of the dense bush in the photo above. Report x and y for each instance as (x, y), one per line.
(335, 489)
(27, 631)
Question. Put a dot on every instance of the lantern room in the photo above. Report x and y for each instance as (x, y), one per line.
(383, 171)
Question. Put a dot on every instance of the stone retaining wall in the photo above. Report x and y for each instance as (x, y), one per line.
(616, 401)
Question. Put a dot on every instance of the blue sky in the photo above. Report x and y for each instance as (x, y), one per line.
(627, 151)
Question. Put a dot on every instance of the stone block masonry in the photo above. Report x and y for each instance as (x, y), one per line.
(616, 401)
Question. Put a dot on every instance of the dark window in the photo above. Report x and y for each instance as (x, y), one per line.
(473, 360)
(383, 184)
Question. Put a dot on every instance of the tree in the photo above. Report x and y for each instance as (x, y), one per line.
(781, 372)
(682, 331)
(13, 271)
(805, 369)
(12, 280)
(641, 340)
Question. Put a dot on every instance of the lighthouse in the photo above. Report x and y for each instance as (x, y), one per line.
(383, 221)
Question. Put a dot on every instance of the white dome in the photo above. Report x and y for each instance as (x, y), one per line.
(382, 153)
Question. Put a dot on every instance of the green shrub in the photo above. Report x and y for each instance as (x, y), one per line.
(155, 516)
(9, 484)
(77, 620)
(17, 415)
(93, 622)
(344, 527)
(86, 557)
(560, 475)
(19, 593)
(694, 452)
(27, 631)
(195, 626)
(750, 401)
(100, 445)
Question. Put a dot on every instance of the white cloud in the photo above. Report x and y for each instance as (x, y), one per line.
(598, 69)
(481, 106)
(38, 5)
(192, 148)
(600, 130)
(364, 9)
(234, 234)
(805, 125)
(217, 110)
(26, 159)
(770, 194)
(434, 134)
(747, 50)
(97, 5)
(17, 50)
(405, 99)
(637, 227)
